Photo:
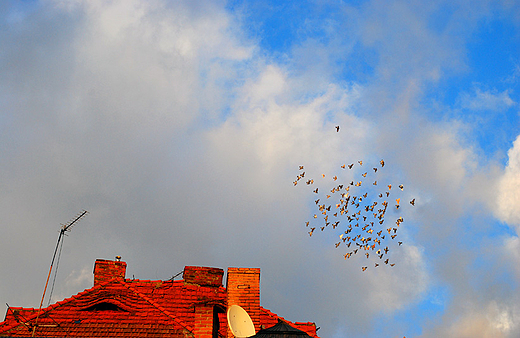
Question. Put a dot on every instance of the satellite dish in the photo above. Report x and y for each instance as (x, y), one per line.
(239, 322)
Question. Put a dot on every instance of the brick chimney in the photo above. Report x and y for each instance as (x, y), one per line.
(243, 289)
(203, 276)
(206, 314)
(105, 270)
(204, 321)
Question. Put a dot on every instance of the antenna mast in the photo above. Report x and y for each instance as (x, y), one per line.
(64, 228)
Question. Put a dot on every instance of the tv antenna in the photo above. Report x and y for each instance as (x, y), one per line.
(64, 228)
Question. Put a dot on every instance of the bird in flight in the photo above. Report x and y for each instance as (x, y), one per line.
(363, 220)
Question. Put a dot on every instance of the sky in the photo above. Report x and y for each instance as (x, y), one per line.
(180, 127)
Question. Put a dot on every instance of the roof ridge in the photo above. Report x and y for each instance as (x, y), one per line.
(274, 315)
(157, 306)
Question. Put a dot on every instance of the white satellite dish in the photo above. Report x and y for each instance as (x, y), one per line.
(239, 322)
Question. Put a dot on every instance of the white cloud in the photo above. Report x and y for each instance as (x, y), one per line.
(492, 320)
(280, 132)
(77, 279)
(508, 189)
(393, 289)
(98, 101)
(487, 100)
(512, 253)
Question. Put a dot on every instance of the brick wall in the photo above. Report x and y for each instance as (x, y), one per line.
(105, 270)
(205, 323)
(243, 289)
(203, 326)
(203, 276)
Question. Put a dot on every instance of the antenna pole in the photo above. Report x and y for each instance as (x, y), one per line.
(64, 228)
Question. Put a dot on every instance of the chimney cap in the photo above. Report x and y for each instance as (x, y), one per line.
(118, 258)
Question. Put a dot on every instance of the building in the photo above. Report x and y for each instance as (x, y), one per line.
(120, 307)
(281, 330)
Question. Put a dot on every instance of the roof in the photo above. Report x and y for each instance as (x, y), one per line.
(120, 307)
(114, 308)
(269, 319)
(281, 330)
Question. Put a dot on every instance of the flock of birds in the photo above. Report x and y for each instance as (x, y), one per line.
(357, 211)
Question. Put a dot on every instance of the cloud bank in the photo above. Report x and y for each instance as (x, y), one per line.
(182, 136)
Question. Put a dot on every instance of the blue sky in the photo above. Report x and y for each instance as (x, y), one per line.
(180, 126)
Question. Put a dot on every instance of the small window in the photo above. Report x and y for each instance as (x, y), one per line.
(104, 306)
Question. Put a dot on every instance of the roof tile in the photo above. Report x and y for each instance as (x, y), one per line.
(130, 307)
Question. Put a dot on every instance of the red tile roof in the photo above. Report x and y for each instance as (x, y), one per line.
(270, 319)
(88, 314)
(138, 308)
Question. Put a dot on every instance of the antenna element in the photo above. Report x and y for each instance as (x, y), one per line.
(65, 227)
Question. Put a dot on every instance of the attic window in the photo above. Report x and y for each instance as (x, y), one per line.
(104, 306)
